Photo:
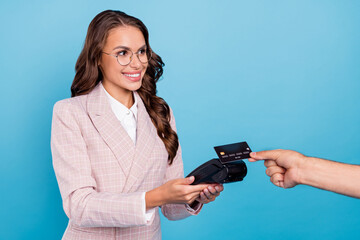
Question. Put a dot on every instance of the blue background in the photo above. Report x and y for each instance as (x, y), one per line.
(278, 74)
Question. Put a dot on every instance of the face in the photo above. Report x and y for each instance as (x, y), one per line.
(120, 80)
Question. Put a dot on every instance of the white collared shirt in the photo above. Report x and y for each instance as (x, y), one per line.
(128, 118)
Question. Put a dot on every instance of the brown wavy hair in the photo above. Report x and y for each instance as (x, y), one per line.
(88, 73)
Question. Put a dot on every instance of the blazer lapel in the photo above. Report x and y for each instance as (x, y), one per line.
(110, 128)
(146, 136)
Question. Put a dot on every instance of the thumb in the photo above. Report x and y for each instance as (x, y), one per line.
(254, 156)
(265, 155)
(186, 181)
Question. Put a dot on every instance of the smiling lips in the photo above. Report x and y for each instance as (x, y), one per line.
(133, 76)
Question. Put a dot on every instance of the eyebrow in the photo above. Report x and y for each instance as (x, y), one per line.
(127, 48)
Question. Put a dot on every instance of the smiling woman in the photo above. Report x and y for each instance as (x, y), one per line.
(115, 151)
(125, 75)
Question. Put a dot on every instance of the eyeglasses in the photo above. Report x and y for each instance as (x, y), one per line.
(124, 57)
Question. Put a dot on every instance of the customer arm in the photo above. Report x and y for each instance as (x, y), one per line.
(288, 168)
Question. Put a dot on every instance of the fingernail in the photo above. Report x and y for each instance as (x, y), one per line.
(253, 154)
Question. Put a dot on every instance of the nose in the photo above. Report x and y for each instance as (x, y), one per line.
(135, 62)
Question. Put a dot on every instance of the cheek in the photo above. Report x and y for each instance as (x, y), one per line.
(112, 68)
(145, 68)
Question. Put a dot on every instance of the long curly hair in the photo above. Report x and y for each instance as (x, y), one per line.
(88, 73)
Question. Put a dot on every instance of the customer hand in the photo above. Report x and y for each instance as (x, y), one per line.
(282, 166)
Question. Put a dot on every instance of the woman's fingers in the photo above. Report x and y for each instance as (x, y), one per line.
(193, 198)
(210, 193)
(212, 190)
(207, 193)
(219, 188)
(203, 198)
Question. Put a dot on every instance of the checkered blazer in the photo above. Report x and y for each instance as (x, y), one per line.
(102, 174)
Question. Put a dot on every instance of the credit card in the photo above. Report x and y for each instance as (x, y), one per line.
(233, 152)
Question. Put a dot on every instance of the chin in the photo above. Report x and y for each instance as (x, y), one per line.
(134, 86)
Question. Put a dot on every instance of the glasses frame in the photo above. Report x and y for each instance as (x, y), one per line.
(132, 54)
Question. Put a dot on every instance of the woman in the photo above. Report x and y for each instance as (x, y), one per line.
(115, 151)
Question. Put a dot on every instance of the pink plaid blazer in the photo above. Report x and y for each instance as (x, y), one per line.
(102, 174)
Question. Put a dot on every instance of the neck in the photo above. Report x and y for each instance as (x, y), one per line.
(122, 95)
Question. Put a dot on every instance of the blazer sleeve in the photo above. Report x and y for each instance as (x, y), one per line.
(82, 203)
(173, 171)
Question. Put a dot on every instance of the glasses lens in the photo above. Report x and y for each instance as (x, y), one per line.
(144, 56)
(125, 57)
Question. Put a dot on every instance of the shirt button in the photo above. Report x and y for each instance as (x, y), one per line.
(128, 112)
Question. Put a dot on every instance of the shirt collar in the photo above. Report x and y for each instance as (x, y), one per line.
(119, 109)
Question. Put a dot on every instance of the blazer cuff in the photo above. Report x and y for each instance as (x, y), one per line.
(195, 208)
(148, 215)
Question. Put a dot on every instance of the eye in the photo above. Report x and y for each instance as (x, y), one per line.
(142, 51)
(122, 53)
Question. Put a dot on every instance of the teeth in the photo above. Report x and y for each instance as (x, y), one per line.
(132, 75)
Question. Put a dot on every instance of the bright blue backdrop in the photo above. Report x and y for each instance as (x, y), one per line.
(278, 74)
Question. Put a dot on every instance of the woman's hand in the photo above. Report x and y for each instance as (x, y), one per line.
(174, 191)
(210, 193)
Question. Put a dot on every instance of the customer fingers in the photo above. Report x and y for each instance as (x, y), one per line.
(274, 169)
(277, 179)
(269, 163)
